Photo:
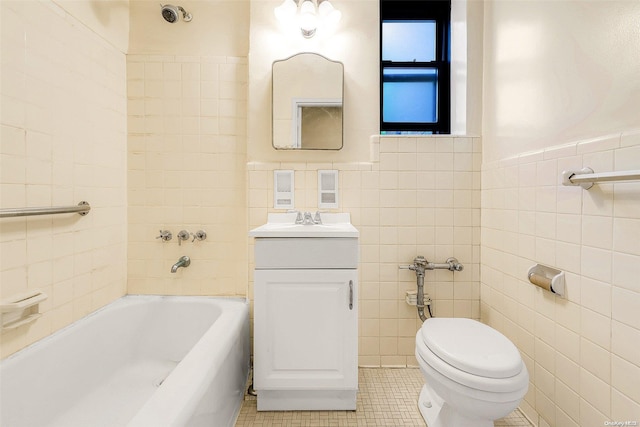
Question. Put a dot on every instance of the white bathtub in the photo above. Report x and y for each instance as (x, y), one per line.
(143, 361)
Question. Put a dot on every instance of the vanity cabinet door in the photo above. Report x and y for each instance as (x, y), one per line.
(305, 329)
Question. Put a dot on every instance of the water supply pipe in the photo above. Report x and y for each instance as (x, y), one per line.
(420, 264)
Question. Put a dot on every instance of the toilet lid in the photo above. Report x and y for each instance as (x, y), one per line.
(472, 347)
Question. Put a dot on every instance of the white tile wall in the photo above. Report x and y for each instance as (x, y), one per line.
(186, 170)
(421, 198)
(584, 366)
(63, 140)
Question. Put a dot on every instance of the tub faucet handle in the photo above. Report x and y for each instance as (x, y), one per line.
(199, 235)
(182, 235)
(165, 235)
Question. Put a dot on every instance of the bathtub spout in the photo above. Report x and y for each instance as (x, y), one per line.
(184, 261)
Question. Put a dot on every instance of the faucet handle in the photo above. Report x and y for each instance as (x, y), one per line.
(165, 235)
(199, 235)
(298, 216)
(182, 235)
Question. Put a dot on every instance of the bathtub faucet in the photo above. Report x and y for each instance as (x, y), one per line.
(184, 261)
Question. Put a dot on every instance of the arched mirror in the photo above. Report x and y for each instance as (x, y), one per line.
(307, 103)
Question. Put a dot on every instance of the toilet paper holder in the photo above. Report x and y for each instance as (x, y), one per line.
(547, 278)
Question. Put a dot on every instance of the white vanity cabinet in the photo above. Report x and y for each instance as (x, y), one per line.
(306, 322)
(305, 336)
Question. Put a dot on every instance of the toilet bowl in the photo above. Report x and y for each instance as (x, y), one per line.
(473, 374)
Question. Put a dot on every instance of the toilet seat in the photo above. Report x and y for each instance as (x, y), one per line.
(472, 346)
(471, 354)
(470, 381)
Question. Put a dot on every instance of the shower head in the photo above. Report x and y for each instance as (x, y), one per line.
(171, 13)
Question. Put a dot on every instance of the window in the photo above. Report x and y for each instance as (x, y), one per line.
(415, 66)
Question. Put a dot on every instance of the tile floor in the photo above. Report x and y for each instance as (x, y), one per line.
(387, 397)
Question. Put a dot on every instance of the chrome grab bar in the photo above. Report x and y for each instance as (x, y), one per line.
(586, 177)
(81, 208)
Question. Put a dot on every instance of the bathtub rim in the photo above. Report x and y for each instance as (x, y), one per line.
(116, 302)
(233, 314)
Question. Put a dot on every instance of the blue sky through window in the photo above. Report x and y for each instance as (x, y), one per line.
(408, 41)
(410, 95)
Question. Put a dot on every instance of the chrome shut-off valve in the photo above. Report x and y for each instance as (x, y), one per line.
(454, 265)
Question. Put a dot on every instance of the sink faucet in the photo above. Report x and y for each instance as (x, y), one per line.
(307, 218)
(311, 220)
(184, 262)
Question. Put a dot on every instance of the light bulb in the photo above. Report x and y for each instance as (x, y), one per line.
(325, 7)
(308, 19)
(286, 11)
(330, 15)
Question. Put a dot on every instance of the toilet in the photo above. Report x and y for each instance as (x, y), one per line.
(473, 374)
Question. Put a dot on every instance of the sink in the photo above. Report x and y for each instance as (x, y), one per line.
(283, 225)
(281, 243)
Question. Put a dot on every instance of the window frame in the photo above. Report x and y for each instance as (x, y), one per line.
(422, 10)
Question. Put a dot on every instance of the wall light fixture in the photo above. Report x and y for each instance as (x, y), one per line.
(308, 15)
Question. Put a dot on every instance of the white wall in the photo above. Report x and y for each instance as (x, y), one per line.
(107, 18)
(562, 92)
(187, 150)
(558, 71)
(187, 108)
(218, 27)
(466, 67)
(64, 140)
